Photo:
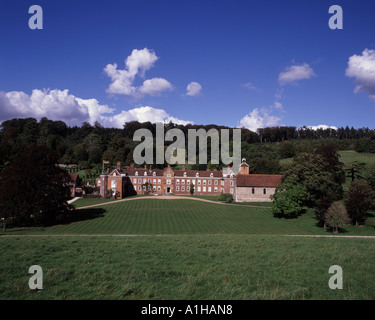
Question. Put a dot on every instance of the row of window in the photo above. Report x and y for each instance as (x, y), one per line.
(169, 175)
(183, 181)
(199, 189)
(145, 180)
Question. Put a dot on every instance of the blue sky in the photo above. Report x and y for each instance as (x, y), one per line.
(248, 63)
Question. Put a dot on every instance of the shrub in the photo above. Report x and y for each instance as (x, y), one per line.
(337, 216)
(227, 197)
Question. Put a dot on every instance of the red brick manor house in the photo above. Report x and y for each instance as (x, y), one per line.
(243, 186)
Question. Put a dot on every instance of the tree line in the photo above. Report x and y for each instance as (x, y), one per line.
(88, 145)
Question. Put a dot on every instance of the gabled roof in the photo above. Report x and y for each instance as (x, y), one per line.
(259, 180)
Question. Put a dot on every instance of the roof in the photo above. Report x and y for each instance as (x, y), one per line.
(259, 180)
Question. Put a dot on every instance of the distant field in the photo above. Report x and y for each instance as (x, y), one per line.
(348, 157)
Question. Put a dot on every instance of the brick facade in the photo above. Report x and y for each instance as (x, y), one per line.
(130, 181)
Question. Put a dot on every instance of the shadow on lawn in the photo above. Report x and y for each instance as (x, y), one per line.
(85, 214)
(73, 216)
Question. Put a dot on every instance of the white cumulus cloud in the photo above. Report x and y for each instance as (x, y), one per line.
(155, 86)
(61, 105)
(258, 119)
(141, 114)
(53, 104)
(322, 126)
(194, 89)
(362, 69)
(136, 64)
(294, 73)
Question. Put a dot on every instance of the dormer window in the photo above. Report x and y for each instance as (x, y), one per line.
(197, 174)
(136, 173)
(184, 174)
(145, 173)
(211, 175)
(154, 174)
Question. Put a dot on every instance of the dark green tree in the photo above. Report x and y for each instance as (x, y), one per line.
(287, 150)
(310, 171)
(371, 179)
(33, 190)
(332, 162)
(264, 166)
(322, 206)
(191, 189)
(288, 200)
(358, 199)
(354, 171)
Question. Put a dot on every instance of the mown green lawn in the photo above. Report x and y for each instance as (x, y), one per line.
(187, 267)
(186, 249)
(158, 216)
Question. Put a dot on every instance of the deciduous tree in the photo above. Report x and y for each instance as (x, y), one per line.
(33, 190)
(358, 199)
(310, 171)
(337, 216)
(288, 199)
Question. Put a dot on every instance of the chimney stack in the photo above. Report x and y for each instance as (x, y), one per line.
(118, 165)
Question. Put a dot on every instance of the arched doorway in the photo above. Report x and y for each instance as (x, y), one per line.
(168, 189)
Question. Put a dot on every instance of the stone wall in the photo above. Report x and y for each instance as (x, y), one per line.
(244, 194)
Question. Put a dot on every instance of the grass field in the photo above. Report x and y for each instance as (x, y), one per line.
(175, 217)
(186, 249)
(187, 267)
(348, 158)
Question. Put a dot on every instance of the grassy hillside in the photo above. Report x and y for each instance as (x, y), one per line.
(349, 157)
